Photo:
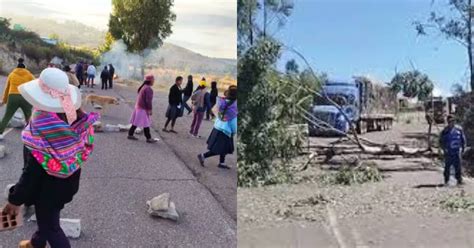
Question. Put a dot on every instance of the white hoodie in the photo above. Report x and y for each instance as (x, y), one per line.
(91, 70)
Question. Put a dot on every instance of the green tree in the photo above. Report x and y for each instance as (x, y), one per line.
(141, 24)
(457, 26)
(412, 84)
(291, 67)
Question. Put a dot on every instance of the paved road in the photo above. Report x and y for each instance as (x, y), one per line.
(120, 176)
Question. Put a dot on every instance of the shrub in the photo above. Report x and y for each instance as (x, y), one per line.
(349, 175)
(458, 203)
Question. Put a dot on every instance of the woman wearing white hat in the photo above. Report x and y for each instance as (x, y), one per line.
(57, 142)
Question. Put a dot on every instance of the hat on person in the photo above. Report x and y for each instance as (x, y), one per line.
(203, 84)
(52, 92)
(149, 77)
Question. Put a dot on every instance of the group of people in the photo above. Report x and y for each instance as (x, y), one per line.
(220, 141)
(57, 141)
(85, 74)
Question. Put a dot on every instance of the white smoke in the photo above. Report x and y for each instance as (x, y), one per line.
(127, 65)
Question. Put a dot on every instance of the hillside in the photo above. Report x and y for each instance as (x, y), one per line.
(169, 56)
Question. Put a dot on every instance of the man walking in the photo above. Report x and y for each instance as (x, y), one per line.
(175, 100)
(187, 92)
(453, 142)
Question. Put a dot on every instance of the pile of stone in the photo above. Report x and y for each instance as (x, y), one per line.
(161, 206)
(109, 128)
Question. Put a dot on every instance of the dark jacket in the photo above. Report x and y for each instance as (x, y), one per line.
(104, 75)
(188, 91)
(213, 96)
(36, 187)
(175, 96)
(111, 71)
(452, 140)
(79, 69)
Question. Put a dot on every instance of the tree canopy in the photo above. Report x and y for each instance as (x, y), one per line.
(412, 84)
(141, 24)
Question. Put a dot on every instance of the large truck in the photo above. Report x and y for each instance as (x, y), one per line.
(369, 107)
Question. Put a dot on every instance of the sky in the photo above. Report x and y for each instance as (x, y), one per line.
(205, 26)
(373, 38)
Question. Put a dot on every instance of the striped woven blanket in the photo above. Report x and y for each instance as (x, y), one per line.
(60, 148)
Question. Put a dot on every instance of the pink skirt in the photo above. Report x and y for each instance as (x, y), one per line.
(140, 118)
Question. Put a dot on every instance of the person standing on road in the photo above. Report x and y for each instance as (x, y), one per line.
(213, 100)
(453, 143)
(187, 93)
(57, 141)
(104, 77)
(12, 97)
(91, 71)
(221, 139)
(72, 78)
(201, 103)
(141, 116)
(78, 69)
(111, 75)
(84, 72)
(175, 108)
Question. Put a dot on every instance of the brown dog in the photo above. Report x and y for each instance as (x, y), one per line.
(103, 101)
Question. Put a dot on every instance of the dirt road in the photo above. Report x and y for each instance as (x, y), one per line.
(402, 210)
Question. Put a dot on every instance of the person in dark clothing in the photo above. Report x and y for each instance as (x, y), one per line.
(213, 100)
(175, 105)
(453, 143)
(57, 142)
(104, 77)
(111, 75)
(79, 69)
(187, 93)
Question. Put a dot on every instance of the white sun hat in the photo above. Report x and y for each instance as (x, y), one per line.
(52, 92)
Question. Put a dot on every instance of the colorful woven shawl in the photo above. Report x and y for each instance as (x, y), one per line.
(227, 109)
(60, 148)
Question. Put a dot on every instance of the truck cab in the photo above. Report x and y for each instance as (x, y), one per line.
(347, 95)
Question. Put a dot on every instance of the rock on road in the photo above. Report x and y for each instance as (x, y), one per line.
(115, 185)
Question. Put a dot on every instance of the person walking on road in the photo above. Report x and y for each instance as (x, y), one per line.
(187, 93)
(141, 116)
(12, 97)
(72, 78)
(214, 94)
(78, 69)
(221, 139)
(56, 143)
(111, 75)
(91, 71)
(453, 143)
(104, 77)
(175, 108)
(201, 104)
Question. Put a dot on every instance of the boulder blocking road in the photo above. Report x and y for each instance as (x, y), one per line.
(123, 174)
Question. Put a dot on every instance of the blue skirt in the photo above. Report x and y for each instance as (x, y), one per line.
(219, 143)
